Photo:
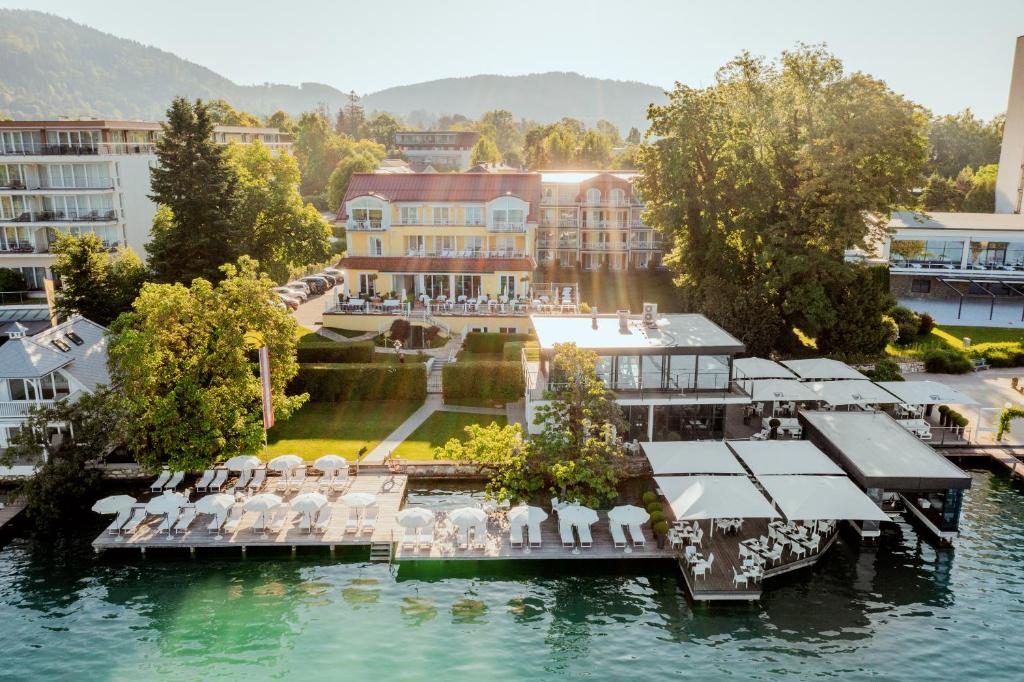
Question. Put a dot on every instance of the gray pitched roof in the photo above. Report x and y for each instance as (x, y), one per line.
(27, 358)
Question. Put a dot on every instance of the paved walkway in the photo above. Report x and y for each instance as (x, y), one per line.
(468, 409)
(404, 430)
(311, 313)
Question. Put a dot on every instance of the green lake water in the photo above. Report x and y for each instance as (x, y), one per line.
(903, 610)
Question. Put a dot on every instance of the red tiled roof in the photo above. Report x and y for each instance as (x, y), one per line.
(451, 187)
(605, 182)
(423, 264)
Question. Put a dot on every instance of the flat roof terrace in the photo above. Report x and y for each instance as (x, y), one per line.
(672, 334)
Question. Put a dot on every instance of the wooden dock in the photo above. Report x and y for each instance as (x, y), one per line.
(1005, 459)
(10, 511)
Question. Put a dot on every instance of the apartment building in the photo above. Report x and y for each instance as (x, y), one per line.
(441, 235)
(441, 150)
(83, 176)
(593, 219)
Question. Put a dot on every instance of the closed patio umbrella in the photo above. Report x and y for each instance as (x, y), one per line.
(308, 503)
(525, 515)
(115, 504)
(331, 463)
(285, 463)
(414, 517)
(358, 500)
(214, 504)
(165, 503)
(627, 515)
(242, 463)
(464, 517)
(263, 502)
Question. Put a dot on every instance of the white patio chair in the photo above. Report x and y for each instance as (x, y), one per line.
(738, 578)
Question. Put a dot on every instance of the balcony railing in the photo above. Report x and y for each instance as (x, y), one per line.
(605, 225)
(80, 149)
(603, 246)
(462, 253)
(17, 247)
(365, 225)
(500, 226)
(559, 222)
(74, 216)
(643, 245)
(20, 408)
(561, 244)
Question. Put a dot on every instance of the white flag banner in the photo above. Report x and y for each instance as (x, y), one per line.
(268, 404)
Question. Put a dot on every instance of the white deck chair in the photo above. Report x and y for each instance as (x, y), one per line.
(243, 480)
(281, 483)
(798, 550)
(586, 540)
(326, 481)
(122, 518)
(774, 554)
(738, 578)
(234, 518)
(637, 535)
(700, 569)
(462, 538)
(565, 531)
(370, 519)
(218, 482)
(533, 530)
(618, 537)
(298, 479)
(409, 538)
(138, 514)
(280, 519)
(323, 518)
(426, 536)
(340, 481)
(479, 539)
(515, 535)
(188, 515)
(169, 520)
(258, 479)
(352, 522)
(175, 481)
(216, 523)
(161, 480)
(306, 522)
(204, 482)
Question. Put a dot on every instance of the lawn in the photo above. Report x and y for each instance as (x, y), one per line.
(338, 428)
(439, 428)
(952, 337)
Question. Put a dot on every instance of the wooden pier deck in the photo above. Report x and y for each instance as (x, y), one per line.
(10, 511)
(388, 489)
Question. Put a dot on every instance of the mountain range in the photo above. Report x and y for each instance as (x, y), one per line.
(50, 66)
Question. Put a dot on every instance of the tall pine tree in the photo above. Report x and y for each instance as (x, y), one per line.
(193, 234)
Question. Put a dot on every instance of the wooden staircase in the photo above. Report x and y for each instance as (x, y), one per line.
(380, 552)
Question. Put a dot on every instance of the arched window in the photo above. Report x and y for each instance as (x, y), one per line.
(593, 196)
(618, 197)
(366, 213)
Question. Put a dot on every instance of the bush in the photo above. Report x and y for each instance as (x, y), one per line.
(532, 350)
(327, 351)
(400, 330)
(654, 506)
(927, 325)
(907, 332)
(661, 529)
(585, 308)
(903, 315)
(657, 517)
(892, 330)
(885, 370)
(487, 380)
(649, 496)
(360, 381)
(512, 351)
(1006, 354)
(939, 361)
(12, 280)
(490, 342)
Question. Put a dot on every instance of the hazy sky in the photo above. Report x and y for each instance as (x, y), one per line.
(945, 54)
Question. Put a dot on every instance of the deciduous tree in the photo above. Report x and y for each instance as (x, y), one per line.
(93, 282)
(485, 151)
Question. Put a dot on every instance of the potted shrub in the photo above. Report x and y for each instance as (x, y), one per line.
(660, 532)
(649, 497)
(943, 415)
(657, 517)
(774, 424)
(961, 424)
(654, 507)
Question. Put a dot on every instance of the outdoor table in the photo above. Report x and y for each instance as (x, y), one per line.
(789, 423)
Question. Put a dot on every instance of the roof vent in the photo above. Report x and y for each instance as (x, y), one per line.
(623, 321)
(62, 345)
(75, 338)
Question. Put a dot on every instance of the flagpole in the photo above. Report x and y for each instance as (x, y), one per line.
(266, 398)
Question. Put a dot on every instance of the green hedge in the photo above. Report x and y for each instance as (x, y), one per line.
(334, 382)
(512, 351)
(1006, 354)
(490, 342)
(947, 362)
(329, 351)
(485, 380)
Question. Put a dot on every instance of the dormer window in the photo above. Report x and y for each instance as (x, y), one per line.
(618, 197)
(593, 196)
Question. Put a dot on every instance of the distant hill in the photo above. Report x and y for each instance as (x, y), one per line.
(50, 66)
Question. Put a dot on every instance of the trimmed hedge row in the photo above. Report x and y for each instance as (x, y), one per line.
(486, 380)
(334, 382)
(490, 342)
(1006, 354)
(512, 351)
(329, 351)
(947, 362)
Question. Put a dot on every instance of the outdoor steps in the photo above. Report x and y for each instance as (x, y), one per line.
(381, 552)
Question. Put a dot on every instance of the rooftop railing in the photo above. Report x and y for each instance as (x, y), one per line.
(504, 226)
(365, 225)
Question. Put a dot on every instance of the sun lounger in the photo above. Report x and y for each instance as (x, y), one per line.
(175, 481)
(565, 530)
(326, 481)
(409, 538)
(462, 538)
(204, 482)
(298, 479)
(188, 515)
(637, 534)
(534, 533)
(122, 518)
(160, 482)
(138, 514)
(352, 522)
(280, 519)
(618, 537)
(243, 480)
(216, 523)
(218, 482)
(479, 538)
(257, 480)
(261, 522)
(340, 481)
(168, 523)
(370, 519)
(234, 518)
(323, 518)
(516, 535)
(426, 537)
(281, 484)
(306, 523)
(586, 541)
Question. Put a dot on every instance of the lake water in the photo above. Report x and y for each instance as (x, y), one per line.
(903, 610)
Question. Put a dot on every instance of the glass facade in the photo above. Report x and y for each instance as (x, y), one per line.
(688, 422)
(931, 252)
(669, 373)
(996, 254)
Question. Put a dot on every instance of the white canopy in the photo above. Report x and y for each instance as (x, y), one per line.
(714, 497)
(358, 500)
(577, 515)
(284, 463)
(263, 502)
(691, 457)
(774, 457)
(759, 368)
(308, 502)
(810, 498)
(166, 503)
(216, 503)
(242, 463)
(775, 390)
(819, 369)
(115, 504)
(926, 393)
(851, 392)
(331, 463)
(524, 515)
(465, 517)
(414, 517)
(628, 514)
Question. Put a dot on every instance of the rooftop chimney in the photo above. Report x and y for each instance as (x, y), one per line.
(623, 321)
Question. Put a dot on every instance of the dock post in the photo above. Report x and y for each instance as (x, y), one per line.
(293, 550)
(332, 551)
(142, 549)
(243, 550)
(192, 551)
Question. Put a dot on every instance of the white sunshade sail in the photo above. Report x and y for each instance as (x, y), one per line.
(851, 392)
(465, 517)
(627, 514)
(691, 457)
(218, 503)
(331, 463)
(308, 503)
(414, 517)
(759, 368)
(115, 504)
(242, 463)
(524, 515)
(263, 502)
(358, 500)
(285, 463)
(775, 390)
(926, 393)
(714, 497)
(822, 369)
(812, 498)
(166, 503)
(775, 457)
(577, 515)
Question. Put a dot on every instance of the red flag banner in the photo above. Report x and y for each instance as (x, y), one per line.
(268, 404)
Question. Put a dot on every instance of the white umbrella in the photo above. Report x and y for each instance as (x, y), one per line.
(414, 517)
(358, 500)
(242, 463)
(115, 504)
(263, 502)
(214, 504)
(331, 463)
(285, 463)
(524, 515)
(577, 515)
(627, 514)
(166, 503)
(309, 503)
(465, 517)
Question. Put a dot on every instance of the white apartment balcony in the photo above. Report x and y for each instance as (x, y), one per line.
(605, 225)
(610, 203)
(603, 246)
(365, 226)
(639, 224)
(645, 245)
(557, 244)
(505, 226)
(20, 188)
(72, 216)
(86, 150)
(456, 253)
(20, 408)
(558, 222)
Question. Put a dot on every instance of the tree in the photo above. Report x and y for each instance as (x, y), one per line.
(282, 121)
(501, 452)
(280, 230)
(595, 150)
(354, 117)
(858, 329)
(195, 233)
(337, 185)
(941, 194)
(959, 140)
(382, 129)
(500, 126)
(559, 148)
(608, 129)
(93, 283)
(765, 179)
(981, 198)
(222, 113)
(485, 151)
(12, 280)
(187, 376)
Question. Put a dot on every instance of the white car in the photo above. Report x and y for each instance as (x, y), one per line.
(291, 292)
(299, 284)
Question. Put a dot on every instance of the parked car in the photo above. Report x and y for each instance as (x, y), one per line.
(290, 301)
(331, 280)
(292, 292)
(278, 303)
(318, 284)
(335, 273)
(298, 284)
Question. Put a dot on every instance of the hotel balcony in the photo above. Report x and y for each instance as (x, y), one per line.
(97, 216)
(647, 245)
(603, 246)
(500, 226)
(365, 226)
(559, 222)
(557, 244)
(82, 149)
(45, 188)
(448, 253)
(605, 225)
(624, 203)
